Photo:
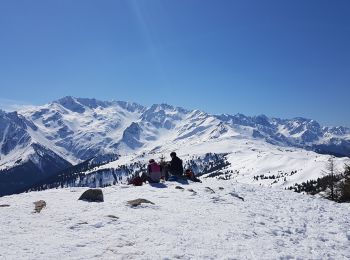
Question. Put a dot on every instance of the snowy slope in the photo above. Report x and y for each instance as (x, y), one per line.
(24, 155)
(182, 224)
(82, 128)
(253, 162)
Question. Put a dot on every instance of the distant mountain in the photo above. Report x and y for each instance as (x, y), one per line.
(296, 132)
(38, 142)
(24, 160)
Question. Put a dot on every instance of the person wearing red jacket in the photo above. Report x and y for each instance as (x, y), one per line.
(154, 172)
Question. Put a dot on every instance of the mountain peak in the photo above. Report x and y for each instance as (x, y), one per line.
(93, 103)
(71, 104)
(167, 108)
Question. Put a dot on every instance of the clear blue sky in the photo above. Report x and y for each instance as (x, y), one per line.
(280, 58)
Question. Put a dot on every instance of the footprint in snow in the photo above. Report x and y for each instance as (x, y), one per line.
(210, 190)
(78, 225)
(138, 202)
(98, 225)
(218, 199)
(193, 191)
(236, 196)
(114, 218)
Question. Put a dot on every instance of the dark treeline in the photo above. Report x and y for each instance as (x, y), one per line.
(87, 173)
(333, 185)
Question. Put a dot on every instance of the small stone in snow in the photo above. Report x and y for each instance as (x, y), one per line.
(221, 188)
(39, 205)
(4, 205)
(179, 188)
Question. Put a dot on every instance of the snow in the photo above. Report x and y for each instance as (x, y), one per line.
(268, 224)
(4, 135)
(14, 156)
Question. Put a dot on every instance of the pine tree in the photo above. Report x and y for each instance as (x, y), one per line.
(163, 164)
(331, 179)
(345, 187)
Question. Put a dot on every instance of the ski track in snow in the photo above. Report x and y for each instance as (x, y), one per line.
(268, 224)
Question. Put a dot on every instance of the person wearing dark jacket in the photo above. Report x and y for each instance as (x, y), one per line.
(175, 166)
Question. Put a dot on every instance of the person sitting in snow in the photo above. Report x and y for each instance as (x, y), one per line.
(154, 172)
(174, 168)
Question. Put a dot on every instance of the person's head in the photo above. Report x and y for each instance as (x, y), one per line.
(188, 171)
(151, 161)
(172, 154)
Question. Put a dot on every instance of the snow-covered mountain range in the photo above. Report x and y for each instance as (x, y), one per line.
(39, 141)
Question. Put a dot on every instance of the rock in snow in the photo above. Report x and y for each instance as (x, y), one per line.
(92, 195)
(39, 205)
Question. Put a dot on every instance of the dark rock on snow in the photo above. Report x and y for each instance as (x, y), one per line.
(92, 195)
(4, 205)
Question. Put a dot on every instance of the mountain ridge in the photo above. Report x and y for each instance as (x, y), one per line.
(78, 129)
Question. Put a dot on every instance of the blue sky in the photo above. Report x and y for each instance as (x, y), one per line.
(279, 58)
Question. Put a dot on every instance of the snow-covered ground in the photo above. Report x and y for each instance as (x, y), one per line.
(182, 224)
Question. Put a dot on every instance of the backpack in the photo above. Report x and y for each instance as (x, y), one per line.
(136, 181)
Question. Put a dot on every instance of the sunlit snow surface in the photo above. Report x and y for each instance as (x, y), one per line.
(268, 224)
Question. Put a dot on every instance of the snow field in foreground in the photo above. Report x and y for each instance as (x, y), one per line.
(268, 224)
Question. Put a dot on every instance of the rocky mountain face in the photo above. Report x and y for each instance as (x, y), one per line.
(46, 139)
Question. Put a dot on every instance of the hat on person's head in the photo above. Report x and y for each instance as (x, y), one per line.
(151, 161)
(172, 154)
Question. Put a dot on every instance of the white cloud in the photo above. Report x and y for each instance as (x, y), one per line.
(13, 105)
